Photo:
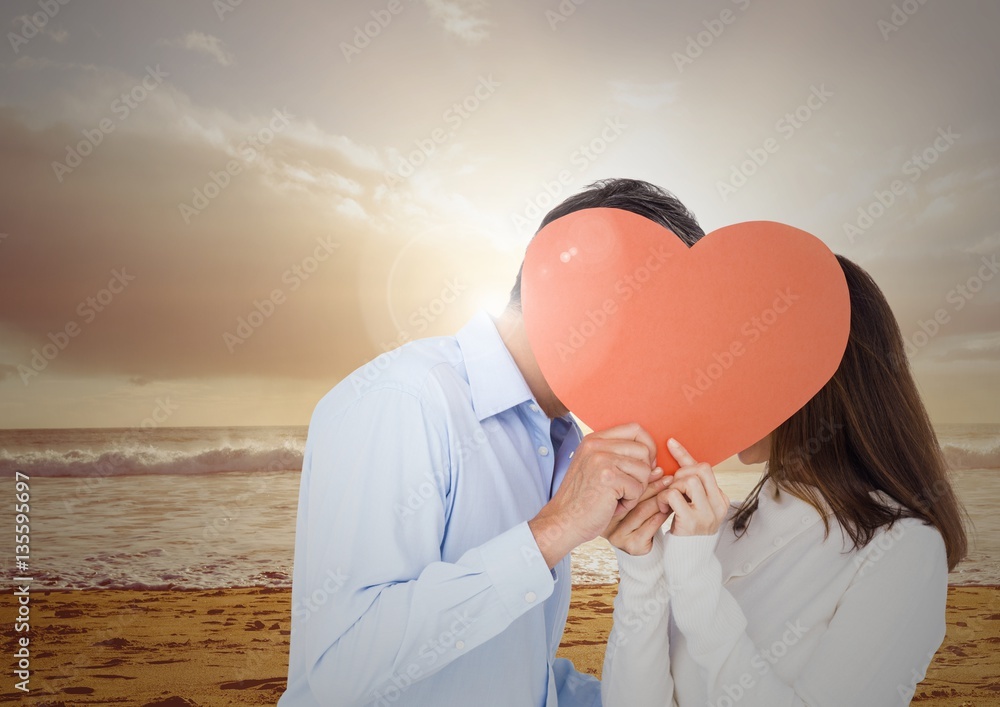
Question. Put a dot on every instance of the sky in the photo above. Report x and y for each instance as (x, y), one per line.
(212, 212)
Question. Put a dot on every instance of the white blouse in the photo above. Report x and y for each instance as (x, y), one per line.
(779, 617)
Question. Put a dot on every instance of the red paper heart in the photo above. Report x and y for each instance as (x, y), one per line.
(715, 345)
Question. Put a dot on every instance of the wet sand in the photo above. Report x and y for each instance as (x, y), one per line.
(230, 647)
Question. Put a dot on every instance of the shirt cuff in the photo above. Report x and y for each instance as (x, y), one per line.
(517, 570)
(685, 557)
(642, 570)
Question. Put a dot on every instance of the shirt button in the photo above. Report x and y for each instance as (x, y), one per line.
(530, 597)
(460, 645)
(778, 542)
(747, 567)
(544, 451)
(533, 407)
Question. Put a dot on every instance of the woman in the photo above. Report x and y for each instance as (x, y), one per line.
(827, 585)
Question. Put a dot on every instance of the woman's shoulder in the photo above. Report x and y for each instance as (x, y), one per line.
(907, 531)
(787, 525)
(909, 545)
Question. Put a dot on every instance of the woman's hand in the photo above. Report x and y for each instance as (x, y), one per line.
(698, 504)
(634, 532)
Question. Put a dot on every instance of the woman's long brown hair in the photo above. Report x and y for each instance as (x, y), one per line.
(865, 431)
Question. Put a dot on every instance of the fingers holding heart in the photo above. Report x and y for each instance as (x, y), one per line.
(714, 496)
(694, 496)
(679, 453)
(634, 533)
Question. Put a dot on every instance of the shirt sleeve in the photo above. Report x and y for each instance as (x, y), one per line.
(575, 689)
(874, 651)
(637, 660)
(375, 513)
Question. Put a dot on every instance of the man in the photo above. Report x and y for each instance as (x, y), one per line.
(443, 488)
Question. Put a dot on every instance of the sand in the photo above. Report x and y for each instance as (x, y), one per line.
(230, 647)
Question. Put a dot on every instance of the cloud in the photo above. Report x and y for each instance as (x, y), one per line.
(989, 244)
(29, 63)
(192, 282)
(257, 234)
(349, 207)
(56, 35)
(647, 96)
(974, 349)
(203, 44)
(461, 18)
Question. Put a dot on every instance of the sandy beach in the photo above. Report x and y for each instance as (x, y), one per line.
(230, 647)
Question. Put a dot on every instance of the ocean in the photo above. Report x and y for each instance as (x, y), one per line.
(196, 508)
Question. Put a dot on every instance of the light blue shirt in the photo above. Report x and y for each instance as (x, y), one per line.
(417, 580)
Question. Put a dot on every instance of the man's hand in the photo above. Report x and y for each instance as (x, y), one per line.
(608, 476)
(692, 495)
(657, 482)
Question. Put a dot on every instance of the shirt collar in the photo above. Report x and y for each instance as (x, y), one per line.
(780, 517)
(494, 379)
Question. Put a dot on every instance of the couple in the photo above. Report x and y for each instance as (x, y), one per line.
(442, 492)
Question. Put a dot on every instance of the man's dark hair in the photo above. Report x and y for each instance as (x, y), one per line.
(633, 195)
